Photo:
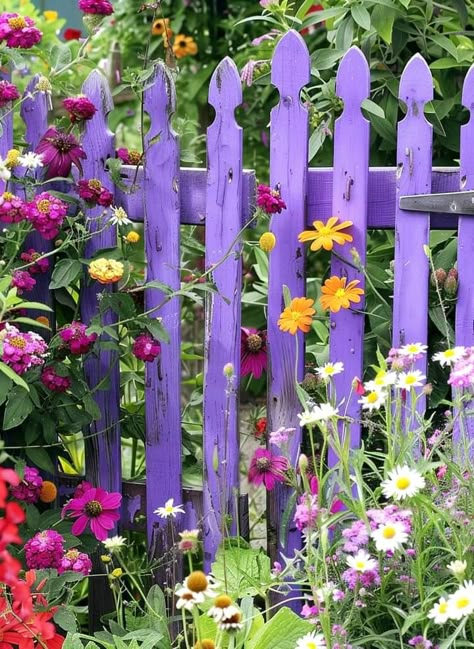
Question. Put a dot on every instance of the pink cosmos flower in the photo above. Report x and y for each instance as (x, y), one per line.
(60, 151)
(44, 550)
(46, 213)
(146, 348)
(75, 561)
(28, 490)
(39, 264)
(98, 7)
(18, 31)
(8, 93)
(253, 352)
(267, 469)
(53, 381)
(96, 507)
(75, 338)
(269, 200)
(12, 208)
(80, 108)
(22, 281)
(94, 193)
(22, 350)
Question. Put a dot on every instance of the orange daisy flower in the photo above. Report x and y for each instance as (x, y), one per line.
(161, 27)
(184, 46)
(336, 295)
(298, 315)
(325, 235)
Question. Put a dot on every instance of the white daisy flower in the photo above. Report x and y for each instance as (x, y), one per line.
(5, 173)
(30, 160)
(311, 640)
(115, 543)
(449, 356)
(323, 412)
(402, 482)
(119, 217)
(461, 603)
(232, 622)
(169, 509)
(361, 562)
(187, 599)
(223, 608)
(439, 613)
(407, 380)
(382, 380)
(413, 349)
(330, 369)
(373, 400)
(389, 536)
(458, 568)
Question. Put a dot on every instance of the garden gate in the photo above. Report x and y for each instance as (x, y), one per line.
(221, 198)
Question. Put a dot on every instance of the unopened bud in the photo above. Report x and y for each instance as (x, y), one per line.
(438, 278)
(310, 382)
(451, 284)
(229, 370)
(303, 463)
(267, 241)
(92, 21)
(58, 242)
(44, 85)
(355, 256)
(427, 389)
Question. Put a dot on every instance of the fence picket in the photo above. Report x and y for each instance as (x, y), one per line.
(6, 127)
(222, 331)
(350, 187)
(163, 376)
(288, 172)
(414, 160)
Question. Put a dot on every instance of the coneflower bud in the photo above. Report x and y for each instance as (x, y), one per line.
(310, 382)
(438, 277)
(451, 283)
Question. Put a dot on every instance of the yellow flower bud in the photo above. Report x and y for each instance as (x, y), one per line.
(116, 573)
(105, 558)
(50, 16)
(132, 237)
(12, 158)
(267, 241)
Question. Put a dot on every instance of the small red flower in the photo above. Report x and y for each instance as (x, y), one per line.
(260, 427)
(71, 34)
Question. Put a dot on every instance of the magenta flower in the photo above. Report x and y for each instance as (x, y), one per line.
(146, 348)
(97, 7)
(94, 193)
(22, 281)
(29, 488)
(53, 381)
(12, 208)
(8, 93)
(44, 550)
(19, 31)
(22, 350)
(81, 488)
(75, 338)
(76, 561)
(96, 507)
(80, 108)
(60, 151)
(39, 264)
(269, 200)
(253, 352)
(462, 372)
(306, 512)
(46, 213)
(267, 468)
(355, 579)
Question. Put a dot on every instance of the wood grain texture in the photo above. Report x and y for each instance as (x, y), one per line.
(350, 185)
(6, 123)
(288, 172)
(222, 330)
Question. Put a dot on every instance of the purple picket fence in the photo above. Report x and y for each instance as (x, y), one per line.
(221, 198)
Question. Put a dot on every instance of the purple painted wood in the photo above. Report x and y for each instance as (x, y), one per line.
(288, 170)
(465, 298)
(350, 184)
(163, 376)
(6, 124)
(103, 453)
(222, 331)
(414, 159)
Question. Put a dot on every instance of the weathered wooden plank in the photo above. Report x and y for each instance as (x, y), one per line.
(6, 126)
(414, 160)
(288, 171)
(163, 376)
(222, 331)
(350, 184)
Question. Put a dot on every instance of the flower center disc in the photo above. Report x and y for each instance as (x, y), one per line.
(340, 292)
(93, 508)
(389, 532)
(403, 483)
(263, 463)
(254, 343)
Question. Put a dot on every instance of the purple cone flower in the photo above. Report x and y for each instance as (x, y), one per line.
(60, 151)
(267, 469)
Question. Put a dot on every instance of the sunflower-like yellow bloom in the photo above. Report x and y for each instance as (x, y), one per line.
(325, 235)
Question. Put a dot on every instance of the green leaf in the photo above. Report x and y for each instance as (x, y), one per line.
(74, 642)
(40, 458)
(60, 56)
(373, 108)
(157, 330)
(282, 631)
(6, 384)
(345, 34)
(326, 14)
(448, 63)
(121, 303)
(39, 306)
(11, 375)
(361, 16)
(65, 273)
(91, 407)
(382, 21)
(32, 323)
(243, 571)
(32, 517)
(324, 59)
(17, 409)
(461, 9)
(66, 619)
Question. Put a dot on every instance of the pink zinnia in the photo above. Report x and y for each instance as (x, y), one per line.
(44, 550)
(80, 109)
(22, 350)
(46, 213)
(60, 151)
(39, 264)
(146, 348)
(28, 490)
(54, 381)
(94, 193)
(98, 7)
(75, 338)
(253, 352)
(267, 468)
(76, 561)
(8, 93)
(96, 507)
(19, 31)
(22, 281)
(12, 208)
(269, 200)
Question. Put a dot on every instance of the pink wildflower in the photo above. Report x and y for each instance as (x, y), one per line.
(269, 200)
(28, 490)
(306, 512)
(75, 561)
(47, 213)
(19, 31)
(419, 642)
(44, 550)
(397, 360)
(38, 263)
(97, 7)
(356, 536)
(96, 507)
(8, 93)
(12, 208)
(269, 36)
(80, 108)
(22, 280)
(75, 338)
(22, 350)
(355, 579)
(54, 381)
(462, 372)
(253, 353)
(281, 436)
(60, 151)
(94, 193)
(146, 348)
(267, 469)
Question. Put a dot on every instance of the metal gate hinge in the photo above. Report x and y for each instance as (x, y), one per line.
(448, 203)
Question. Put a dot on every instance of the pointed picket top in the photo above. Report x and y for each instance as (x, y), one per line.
(96, 88)
(291, 65)
(160, 103)
(225, 89)
(416, 85)
(34, 113)
(353, 78)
